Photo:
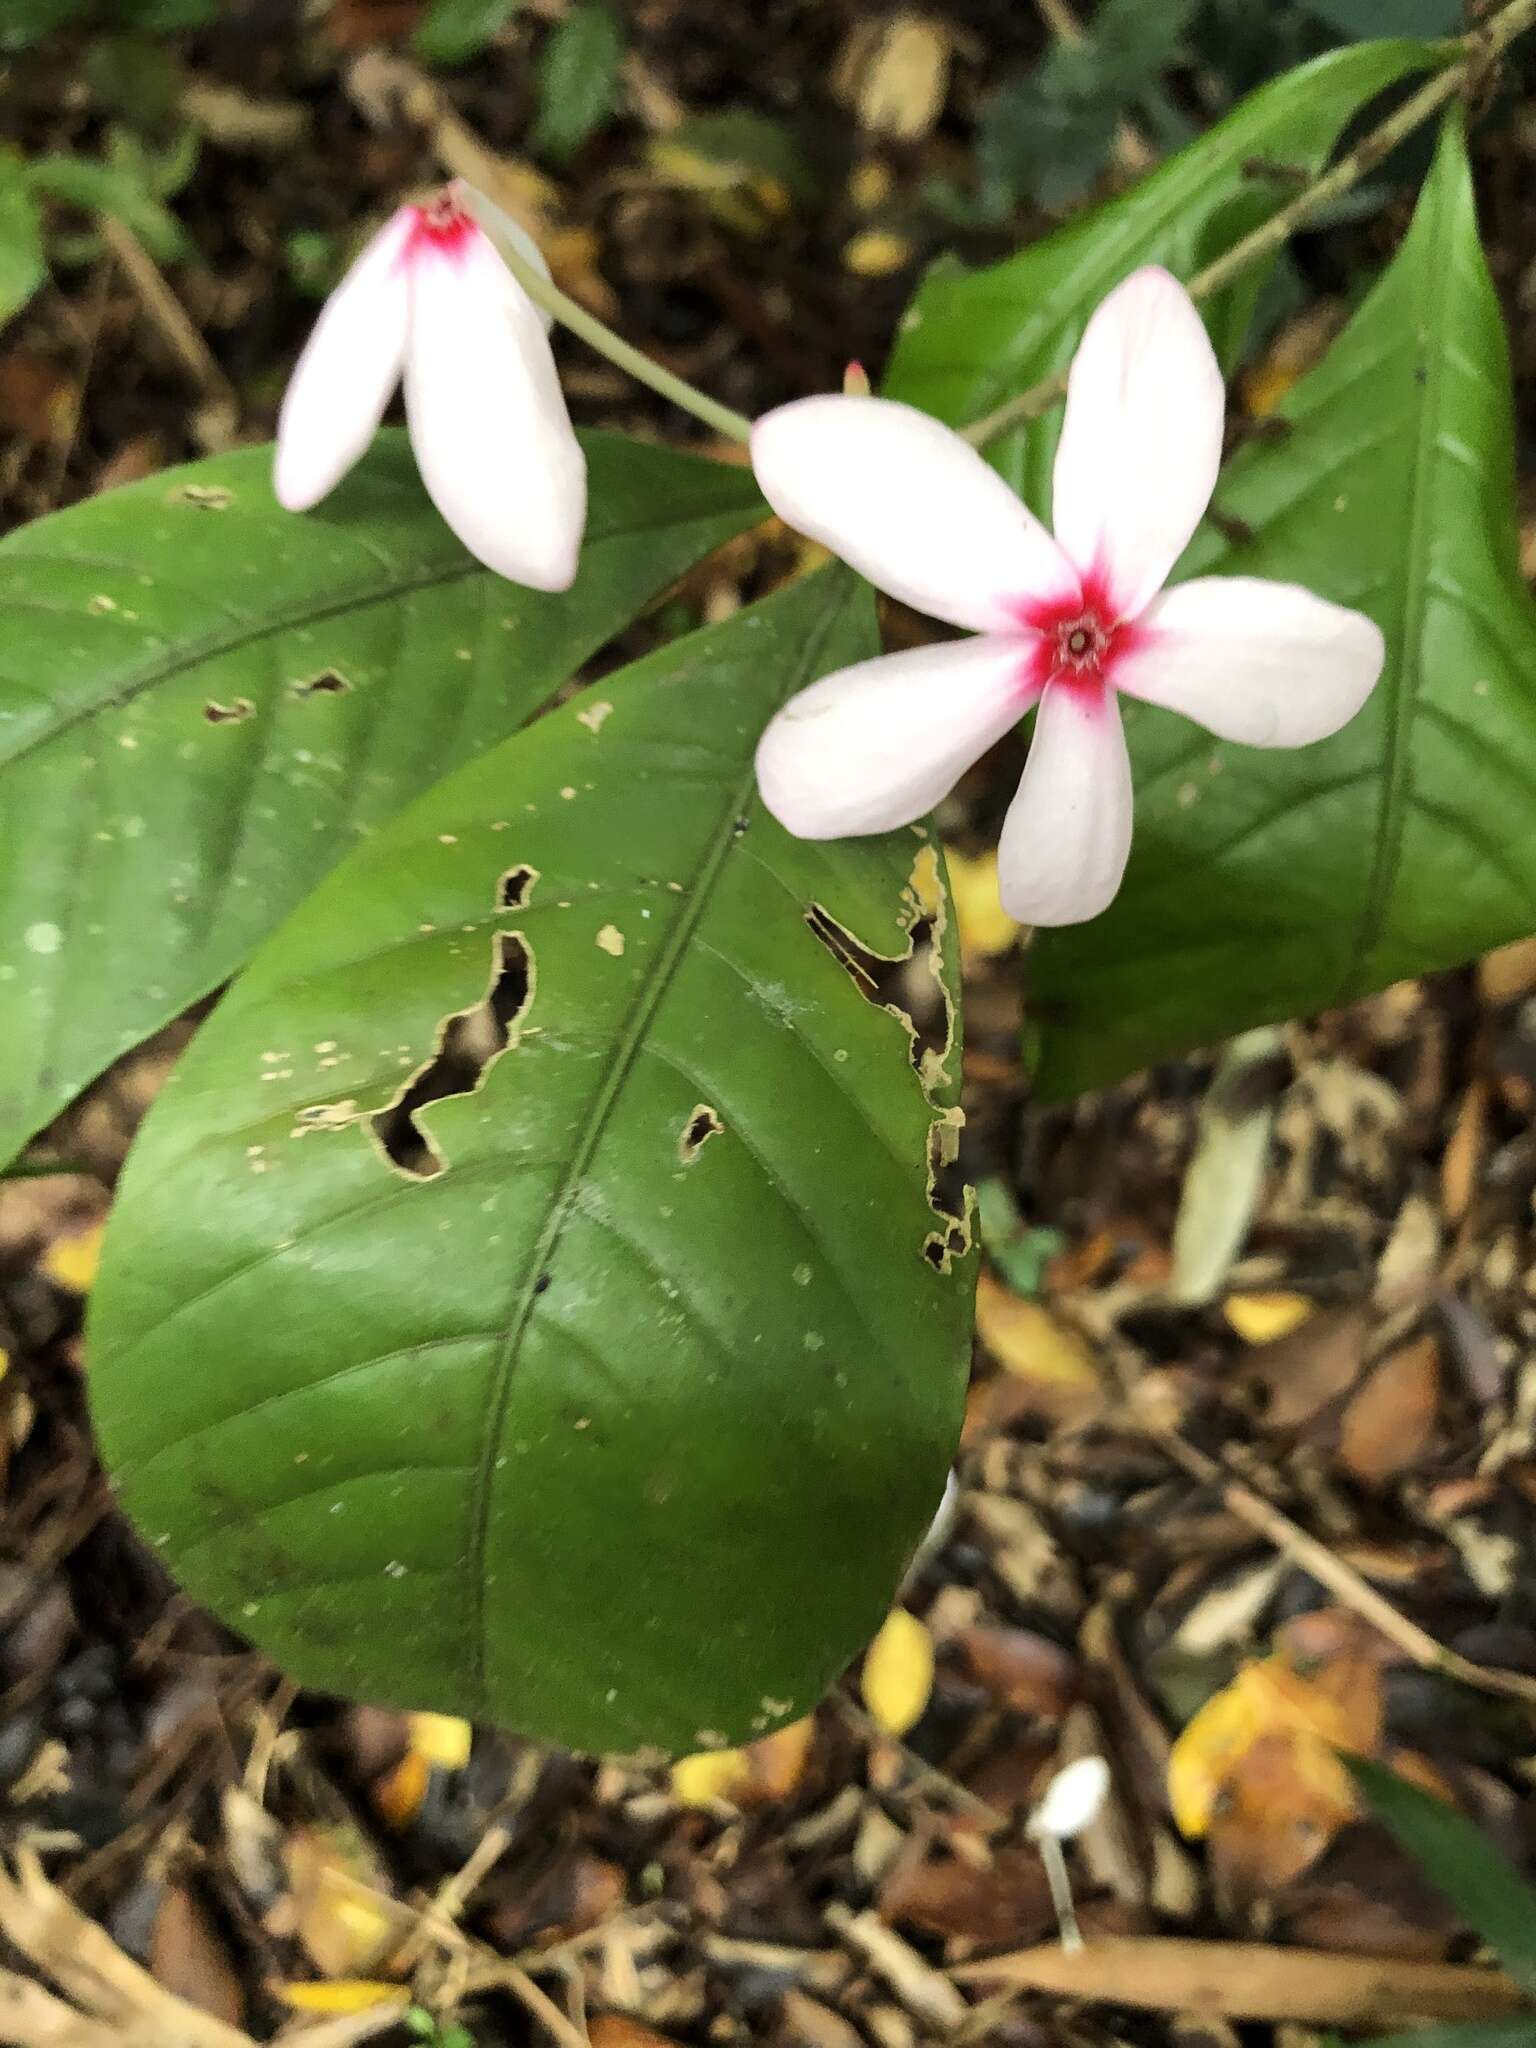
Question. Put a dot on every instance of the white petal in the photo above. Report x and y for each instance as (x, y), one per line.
(1141, 444)
(347, 372)
(1067, 835)
(501, 227)
(877, 745)
(493, 439)
(1072, 1799)
(1265, 663)
(911, 506)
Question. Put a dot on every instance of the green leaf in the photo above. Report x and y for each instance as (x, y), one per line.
(1459, 1860)
(970, 342)
(173, 14)
(205, 702)
(723, 150)
(26, 22)
(1265, 884)
(1516, 2032)
(22, 268)
(453, 31)
(1428, 18)
(621, 1426)
(578, 76)
(123, 188)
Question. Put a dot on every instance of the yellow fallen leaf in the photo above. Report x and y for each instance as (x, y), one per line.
(1264, 387)
(903, 91)
(71, 1262)
(343, 1995)
(898, 1672)
(1266, 1698)
(777, 1761)
(1261, 1318)
(712, 1775)
(876, 252)
(1027, 1340)
(341, 1901)
(443, 1739)
(399, 1794)
(986, 929)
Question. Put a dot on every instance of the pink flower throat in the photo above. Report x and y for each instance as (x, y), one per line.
(442, 224)
(1075, 641)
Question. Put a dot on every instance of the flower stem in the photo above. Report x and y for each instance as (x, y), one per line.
(633, 361)
(1468, 55)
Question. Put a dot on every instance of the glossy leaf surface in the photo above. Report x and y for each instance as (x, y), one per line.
(205, 702)
(611, 1403)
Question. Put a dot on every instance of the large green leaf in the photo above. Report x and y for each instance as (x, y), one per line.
(1264, 884)
(1460, 1861)
(970, 342)
(620, 1425)
(205, 702)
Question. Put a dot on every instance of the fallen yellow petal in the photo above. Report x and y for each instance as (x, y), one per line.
(342, 1995)
(1027, 1340)
(71, 1262)
(898, 1672)
(986, 929)
(443, 1739)
(711, 1776)
(1261, 1318)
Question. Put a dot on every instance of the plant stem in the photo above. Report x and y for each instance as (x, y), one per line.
(1480, 47)
(633, 361)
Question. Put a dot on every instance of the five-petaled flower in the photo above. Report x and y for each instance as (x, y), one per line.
(1061, 624)
(430, 298)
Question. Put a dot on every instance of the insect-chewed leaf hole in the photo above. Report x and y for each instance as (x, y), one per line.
(468, 1045)
(329, 683)
(911, 987)
(228, 714)
(701, 1126)
(516, 886)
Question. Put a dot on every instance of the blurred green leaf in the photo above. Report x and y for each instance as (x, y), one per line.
(578, 76)
(453, 31)
(1359, 19)
(22, 268)
(25, 22)
(131, 184)
(1047, 136)
(733, 147)
(171, 14)
(133, 76)
(1459, 1860)
(1518, 2031)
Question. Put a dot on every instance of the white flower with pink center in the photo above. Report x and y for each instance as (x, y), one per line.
(1060, 625)
(431, 300)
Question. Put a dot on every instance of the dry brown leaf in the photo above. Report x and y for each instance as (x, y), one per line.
(87, 1964)
(1280, 1807)
(1008, 1901)
(1390, 1422)
(344, 1923)
(1461, 1164)
(622, 2030)
(1310, 1369)
(188, 1958)
(1245, 1980)
(1021, 1670)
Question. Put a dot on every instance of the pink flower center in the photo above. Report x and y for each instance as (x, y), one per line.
(1075, 641)
(442, 224)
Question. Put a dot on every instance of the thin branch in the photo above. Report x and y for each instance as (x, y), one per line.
(1477, 50)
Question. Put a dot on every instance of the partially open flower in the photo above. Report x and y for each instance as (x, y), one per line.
(431, 300)
(1064, 624)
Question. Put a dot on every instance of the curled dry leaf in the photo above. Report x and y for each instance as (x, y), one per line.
(1008, 1901)
(1390, 1422)
(1021, 1670)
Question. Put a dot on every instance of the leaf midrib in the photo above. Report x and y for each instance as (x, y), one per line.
(649, 997)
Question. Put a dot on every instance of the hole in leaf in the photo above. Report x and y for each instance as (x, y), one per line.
(516, 886)
(910, 986)
(468, 1044)
(703, 1125)
(228, 714)
(329, 683)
